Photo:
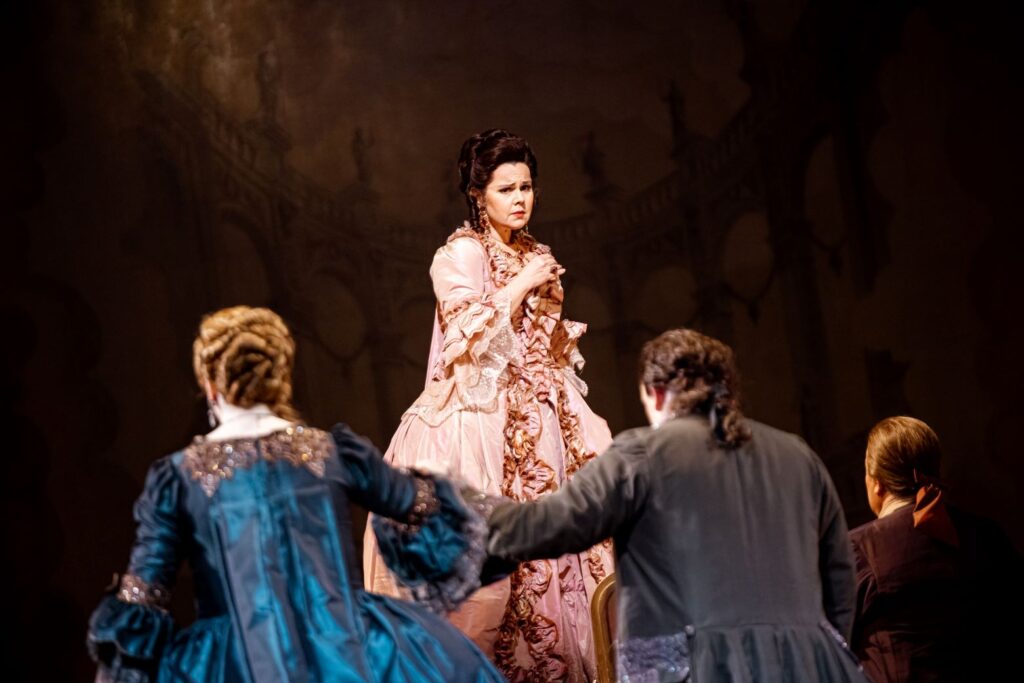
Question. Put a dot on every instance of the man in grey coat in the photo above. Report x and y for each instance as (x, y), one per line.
(733, 561)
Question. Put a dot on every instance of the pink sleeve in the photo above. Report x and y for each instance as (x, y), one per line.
(478, 340)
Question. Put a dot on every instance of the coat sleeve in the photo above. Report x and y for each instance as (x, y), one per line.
(866, 590)
(835, 556)
(592, 506)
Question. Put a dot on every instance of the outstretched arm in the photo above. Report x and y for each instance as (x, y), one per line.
(380, 488)
(591, 507)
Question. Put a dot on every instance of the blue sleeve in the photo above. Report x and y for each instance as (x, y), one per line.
(371, 482)
(440, 557)
(130, 627)
(429, 537)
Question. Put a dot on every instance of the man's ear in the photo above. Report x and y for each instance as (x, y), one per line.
(659, 397)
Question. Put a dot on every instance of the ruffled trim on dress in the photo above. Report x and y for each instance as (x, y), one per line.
(565, 343)
(441, 558)
(127, 639)
(202, 652)
(572, 379)
(479, 343)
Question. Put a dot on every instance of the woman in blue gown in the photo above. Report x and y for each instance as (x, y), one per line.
(259, 510)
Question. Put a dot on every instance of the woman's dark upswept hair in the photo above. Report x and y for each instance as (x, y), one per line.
(247, 355)
(904, 454)
(701, 373)
(483, 153)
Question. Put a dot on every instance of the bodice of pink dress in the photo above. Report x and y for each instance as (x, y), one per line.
(504, 410)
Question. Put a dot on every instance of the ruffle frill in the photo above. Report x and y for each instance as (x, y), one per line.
(479, 343)
(441, 560)
(127, 640)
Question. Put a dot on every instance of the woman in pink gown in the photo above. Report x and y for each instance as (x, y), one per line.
(504, 411)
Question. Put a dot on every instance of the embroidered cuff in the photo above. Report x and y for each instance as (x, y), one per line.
(659, 659)
(426, 503)
(135, 591)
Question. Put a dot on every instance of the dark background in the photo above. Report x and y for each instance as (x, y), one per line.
(832, 187)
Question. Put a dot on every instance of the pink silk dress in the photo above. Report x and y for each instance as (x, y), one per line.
(504, 411)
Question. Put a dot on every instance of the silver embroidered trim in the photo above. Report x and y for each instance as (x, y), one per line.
(445, 595)
(211, 462)
(658, 659)
(425, 504)
(136, 591)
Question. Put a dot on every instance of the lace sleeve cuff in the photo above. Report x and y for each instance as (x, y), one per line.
(656, 659)
(425, 504)
(438, 556)
(478, 344)
(129, 630)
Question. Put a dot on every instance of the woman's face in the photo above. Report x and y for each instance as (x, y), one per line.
(508, 198)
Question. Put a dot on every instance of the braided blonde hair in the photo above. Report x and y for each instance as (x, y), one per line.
(247, 355)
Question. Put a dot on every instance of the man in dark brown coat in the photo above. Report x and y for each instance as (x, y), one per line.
(932, 581)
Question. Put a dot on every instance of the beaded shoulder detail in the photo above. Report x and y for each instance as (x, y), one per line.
(211, 462)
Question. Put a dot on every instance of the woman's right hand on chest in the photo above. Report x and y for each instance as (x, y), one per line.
(540, 269)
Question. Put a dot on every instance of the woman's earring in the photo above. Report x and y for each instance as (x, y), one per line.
(210, 414)
(482, 218)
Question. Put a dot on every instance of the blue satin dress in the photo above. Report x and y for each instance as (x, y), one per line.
(264, 524)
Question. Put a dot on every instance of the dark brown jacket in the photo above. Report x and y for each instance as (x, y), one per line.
(927, 611)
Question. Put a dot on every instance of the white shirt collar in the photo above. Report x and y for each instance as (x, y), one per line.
(892, 504)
